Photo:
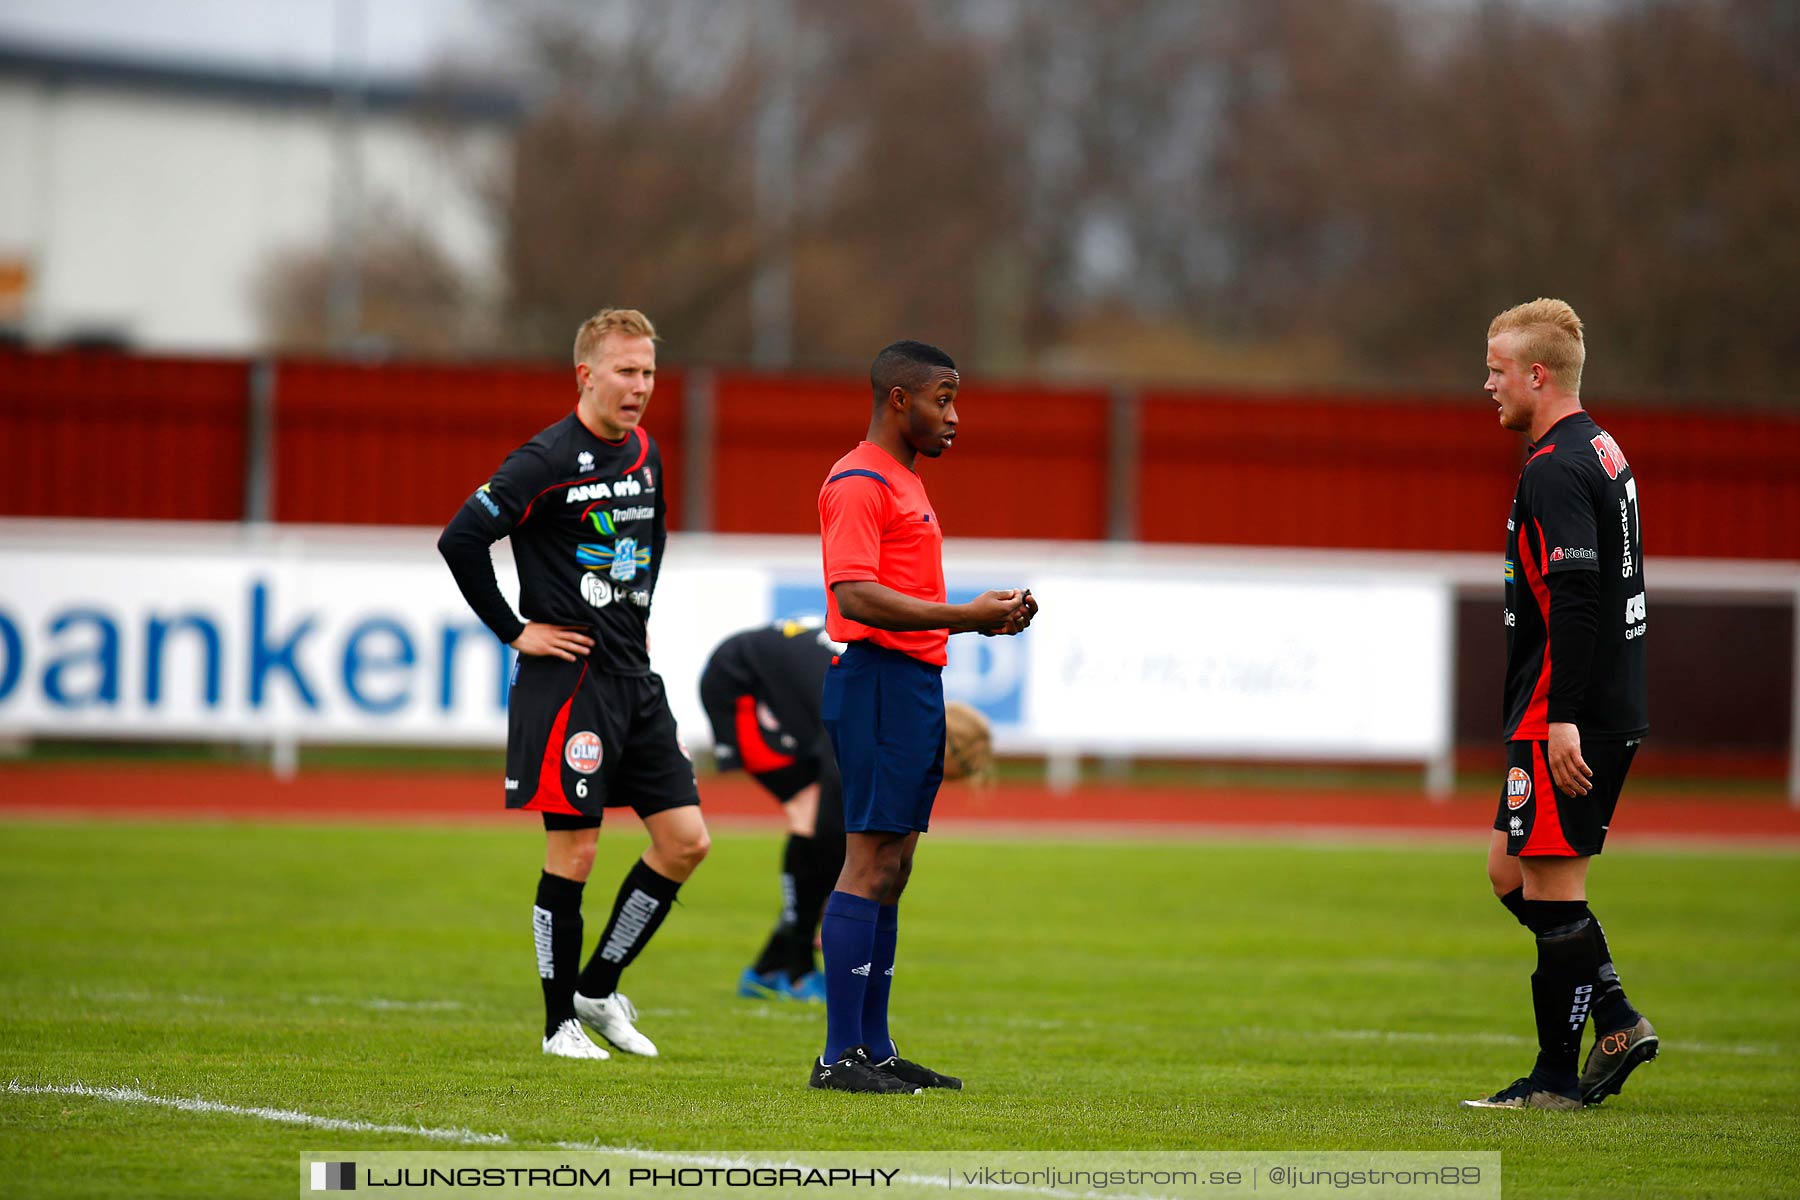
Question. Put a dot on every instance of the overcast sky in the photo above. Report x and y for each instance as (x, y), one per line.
(402, 37)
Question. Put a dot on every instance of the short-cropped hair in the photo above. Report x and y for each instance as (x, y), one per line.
(1552, 336)
(593, 331)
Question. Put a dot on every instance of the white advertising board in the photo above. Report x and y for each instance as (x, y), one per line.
(313, 635)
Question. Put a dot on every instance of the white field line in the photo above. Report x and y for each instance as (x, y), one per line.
(1507, 1039)
(373, 1003)
(468, 1137)
(811, 1013)
(283, 1116)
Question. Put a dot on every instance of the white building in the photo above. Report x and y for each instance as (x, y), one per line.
(141, 203)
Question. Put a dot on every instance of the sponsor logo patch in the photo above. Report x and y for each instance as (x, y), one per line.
(1574, 554)
(622, 560)
(1611, 457)
(596, 591)
(1518, 788)
(604, 491)
(486, 501)
(584, 461)
(582, 752)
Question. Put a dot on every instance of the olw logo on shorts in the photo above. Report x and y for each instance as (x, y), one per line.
(1518, 788)
(582, 752)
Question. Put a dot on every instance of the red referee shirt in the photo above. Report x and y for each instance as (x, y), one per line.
(877, 523)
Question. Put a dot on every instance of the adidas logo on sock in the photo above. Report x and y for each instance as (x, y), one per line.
(862, 970)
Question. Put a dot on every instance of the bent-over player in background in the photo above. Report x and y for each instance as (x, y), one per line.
(1576, 701)
(760, 689)
(883, 701)
(588, 723)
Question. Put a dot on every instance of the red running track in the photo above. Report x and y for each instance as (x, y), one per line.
(247, 793)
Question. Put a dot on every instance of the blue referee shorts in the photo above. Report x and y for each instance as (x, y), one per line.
(884, 711)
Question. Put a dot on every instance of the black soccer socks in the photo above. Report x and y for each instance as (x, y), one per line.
(1563, 986)
(1612, 1011)
(1515, 904)
(643, 901)
(556, 932)
(789, 949)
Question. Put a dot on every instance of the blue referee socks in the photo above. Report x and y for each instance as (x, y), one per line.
(847, 935)
(881, 982)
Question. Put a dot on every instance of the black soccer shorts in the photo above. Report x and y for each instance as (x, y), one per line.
(1538, 820)
(580, 741)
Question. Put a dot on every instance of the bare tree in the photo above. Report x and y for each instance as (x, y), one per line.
(1348, 189)
(415, 301)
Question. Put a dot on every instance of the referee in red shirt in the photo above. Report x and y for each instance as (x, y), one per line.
(883, 701)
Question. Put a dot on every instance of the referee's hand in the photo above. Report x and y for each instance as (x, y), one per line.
(1568, 770)
(553, 641)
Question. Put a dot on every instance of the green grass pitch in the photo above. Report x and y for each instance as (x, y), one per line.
(1117, 995)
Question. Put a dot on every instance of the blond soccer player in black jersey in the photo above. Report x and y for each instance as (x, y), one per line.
(1576, 701)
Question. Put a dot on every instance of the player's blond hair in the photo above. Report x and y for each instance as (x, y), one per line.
(593, 331)
(1552, 337)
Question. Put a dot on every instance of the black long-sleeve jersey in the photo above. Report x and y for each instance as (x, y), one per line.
(783, 665)
(1575, 619)
(588, 523)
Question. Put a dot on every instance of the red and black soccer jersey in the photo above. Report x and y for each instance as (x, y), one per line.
(1575, 618)
(588, 523)
(780, 666)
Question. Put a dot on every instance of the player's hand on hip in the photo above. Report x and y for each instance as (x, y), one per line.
(553, 641)
(1568, 770)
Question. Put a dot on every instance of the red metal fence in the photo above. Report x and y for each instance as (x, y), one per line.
(106, 435)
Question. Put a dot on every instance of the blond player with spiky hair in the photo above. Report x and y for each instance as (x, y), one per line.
(1576, 700)
(588, 721)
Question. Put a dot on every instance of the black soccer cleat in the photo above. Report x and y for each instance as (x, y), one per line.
(1616, 1055)
(852, 1073)
(909, 1072)
(1527, 1093)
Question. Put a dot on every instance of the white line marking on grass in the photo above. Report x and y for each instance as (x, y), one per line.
(284, 1116)
(151, 998)
(468, 1137)
(1507, 1039)
(379, 1004)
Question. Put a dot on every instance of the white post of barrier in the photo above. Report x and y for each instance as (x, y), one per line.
(1440, 769)
(1062, 770)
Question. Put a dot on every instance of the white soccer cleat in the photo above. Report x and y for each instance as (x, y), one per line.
(611, 1017)
(571, 1041)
